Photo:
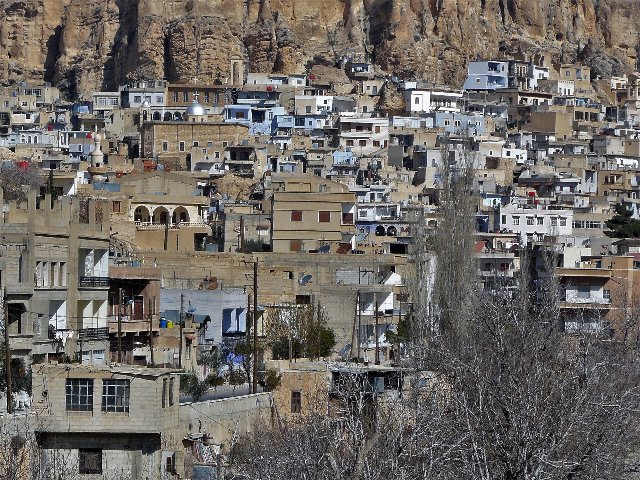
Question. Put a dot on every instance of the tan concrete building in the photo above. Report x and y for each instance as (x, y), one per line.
(308, 213)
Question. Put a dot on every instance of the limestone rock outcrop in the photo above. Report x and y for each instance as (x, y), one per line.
(83, 45)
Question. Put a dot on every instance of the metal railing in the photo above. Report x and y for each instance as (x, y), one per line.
(93, 334)
(93, 282)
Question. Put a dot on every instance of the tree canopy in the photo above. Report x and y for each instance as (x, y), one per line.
(622, 225)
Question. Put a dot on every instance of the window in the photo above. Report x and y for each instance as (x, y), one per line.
(584, 291)
(165, 146)
(137, 99)
(90, 460)
(563, 221)
(185, 96)
(115, 206)
(295, 245)
(115, 396)
(362, 143)
(79, 394)
(181, 146)
(196, 144)
(158, 99)
(516, 220)
(216, 154)
(324, 216)
(554, 221)
(296, 402)
(376, 143)
(164, 393)
(529, 220)
(417, 100)
(540, 221)
(175, 96)
(296, 215)
(206, 97)
(349, 143)
(606, 294)
(307, 109)
(171, 392)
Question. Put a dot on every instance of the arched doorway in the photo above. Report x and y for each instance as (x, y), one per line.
(180, 215)
(161, 216)
(141, 214)
(157, 116)
(167, 116)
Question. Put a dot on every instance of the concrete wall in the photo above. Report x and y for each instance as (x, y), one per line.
(221, 419)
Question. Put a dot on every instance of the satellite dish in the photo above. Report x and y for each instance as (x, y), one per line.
(304, 280)
(324, 249)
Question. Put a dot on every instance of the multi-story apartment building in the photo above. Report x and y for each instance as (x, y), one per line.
(535, 222)
(309, 213)
(54, 275)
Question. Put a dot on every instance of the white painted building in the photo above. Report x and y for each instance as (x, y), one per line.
(534, 222)
(432, 100)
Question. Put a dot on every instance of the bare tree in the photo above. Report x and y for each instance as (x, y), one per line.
(18, 178)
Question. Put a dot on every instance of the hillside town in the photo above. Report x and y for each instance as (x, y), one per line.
(183, 261)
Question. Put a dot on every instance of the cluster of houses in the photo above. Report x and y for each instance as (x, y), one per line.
(174, 218)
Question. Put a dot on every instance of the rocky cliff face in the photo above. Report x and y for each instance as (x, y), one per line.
(83, 45)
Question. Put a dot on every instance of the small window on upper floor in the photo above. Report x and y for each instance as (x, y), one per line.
(296, 402)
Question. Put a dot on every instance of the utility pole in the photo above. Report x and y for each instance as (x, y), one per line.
(180, 321)
(248, 321)
(151, 332)
(255, 327)
(120, 305)
(359, 323)
(7, 355)
(375, 333)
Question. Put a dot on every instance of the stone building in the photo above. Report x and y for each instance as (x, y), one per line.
(108, 422)
(171, 142)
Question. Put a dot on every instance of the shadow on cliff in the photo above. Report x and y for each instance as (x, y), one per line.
(119, 60)
(53, 53)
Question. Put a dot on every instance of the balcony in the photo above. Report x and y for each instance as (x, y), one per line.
(170, 226)
(94, 282)
(93, 334)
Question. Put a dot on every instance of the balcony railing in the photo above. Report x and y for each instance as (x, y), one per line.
(93, 282)
(93, 334)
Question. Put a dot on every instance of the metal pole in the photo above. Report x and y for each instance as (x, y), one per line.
(7, 356)
(255, 327)
(180, 321)
(120, 302)
(375, 333)
(151, 332)
(166, 236)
